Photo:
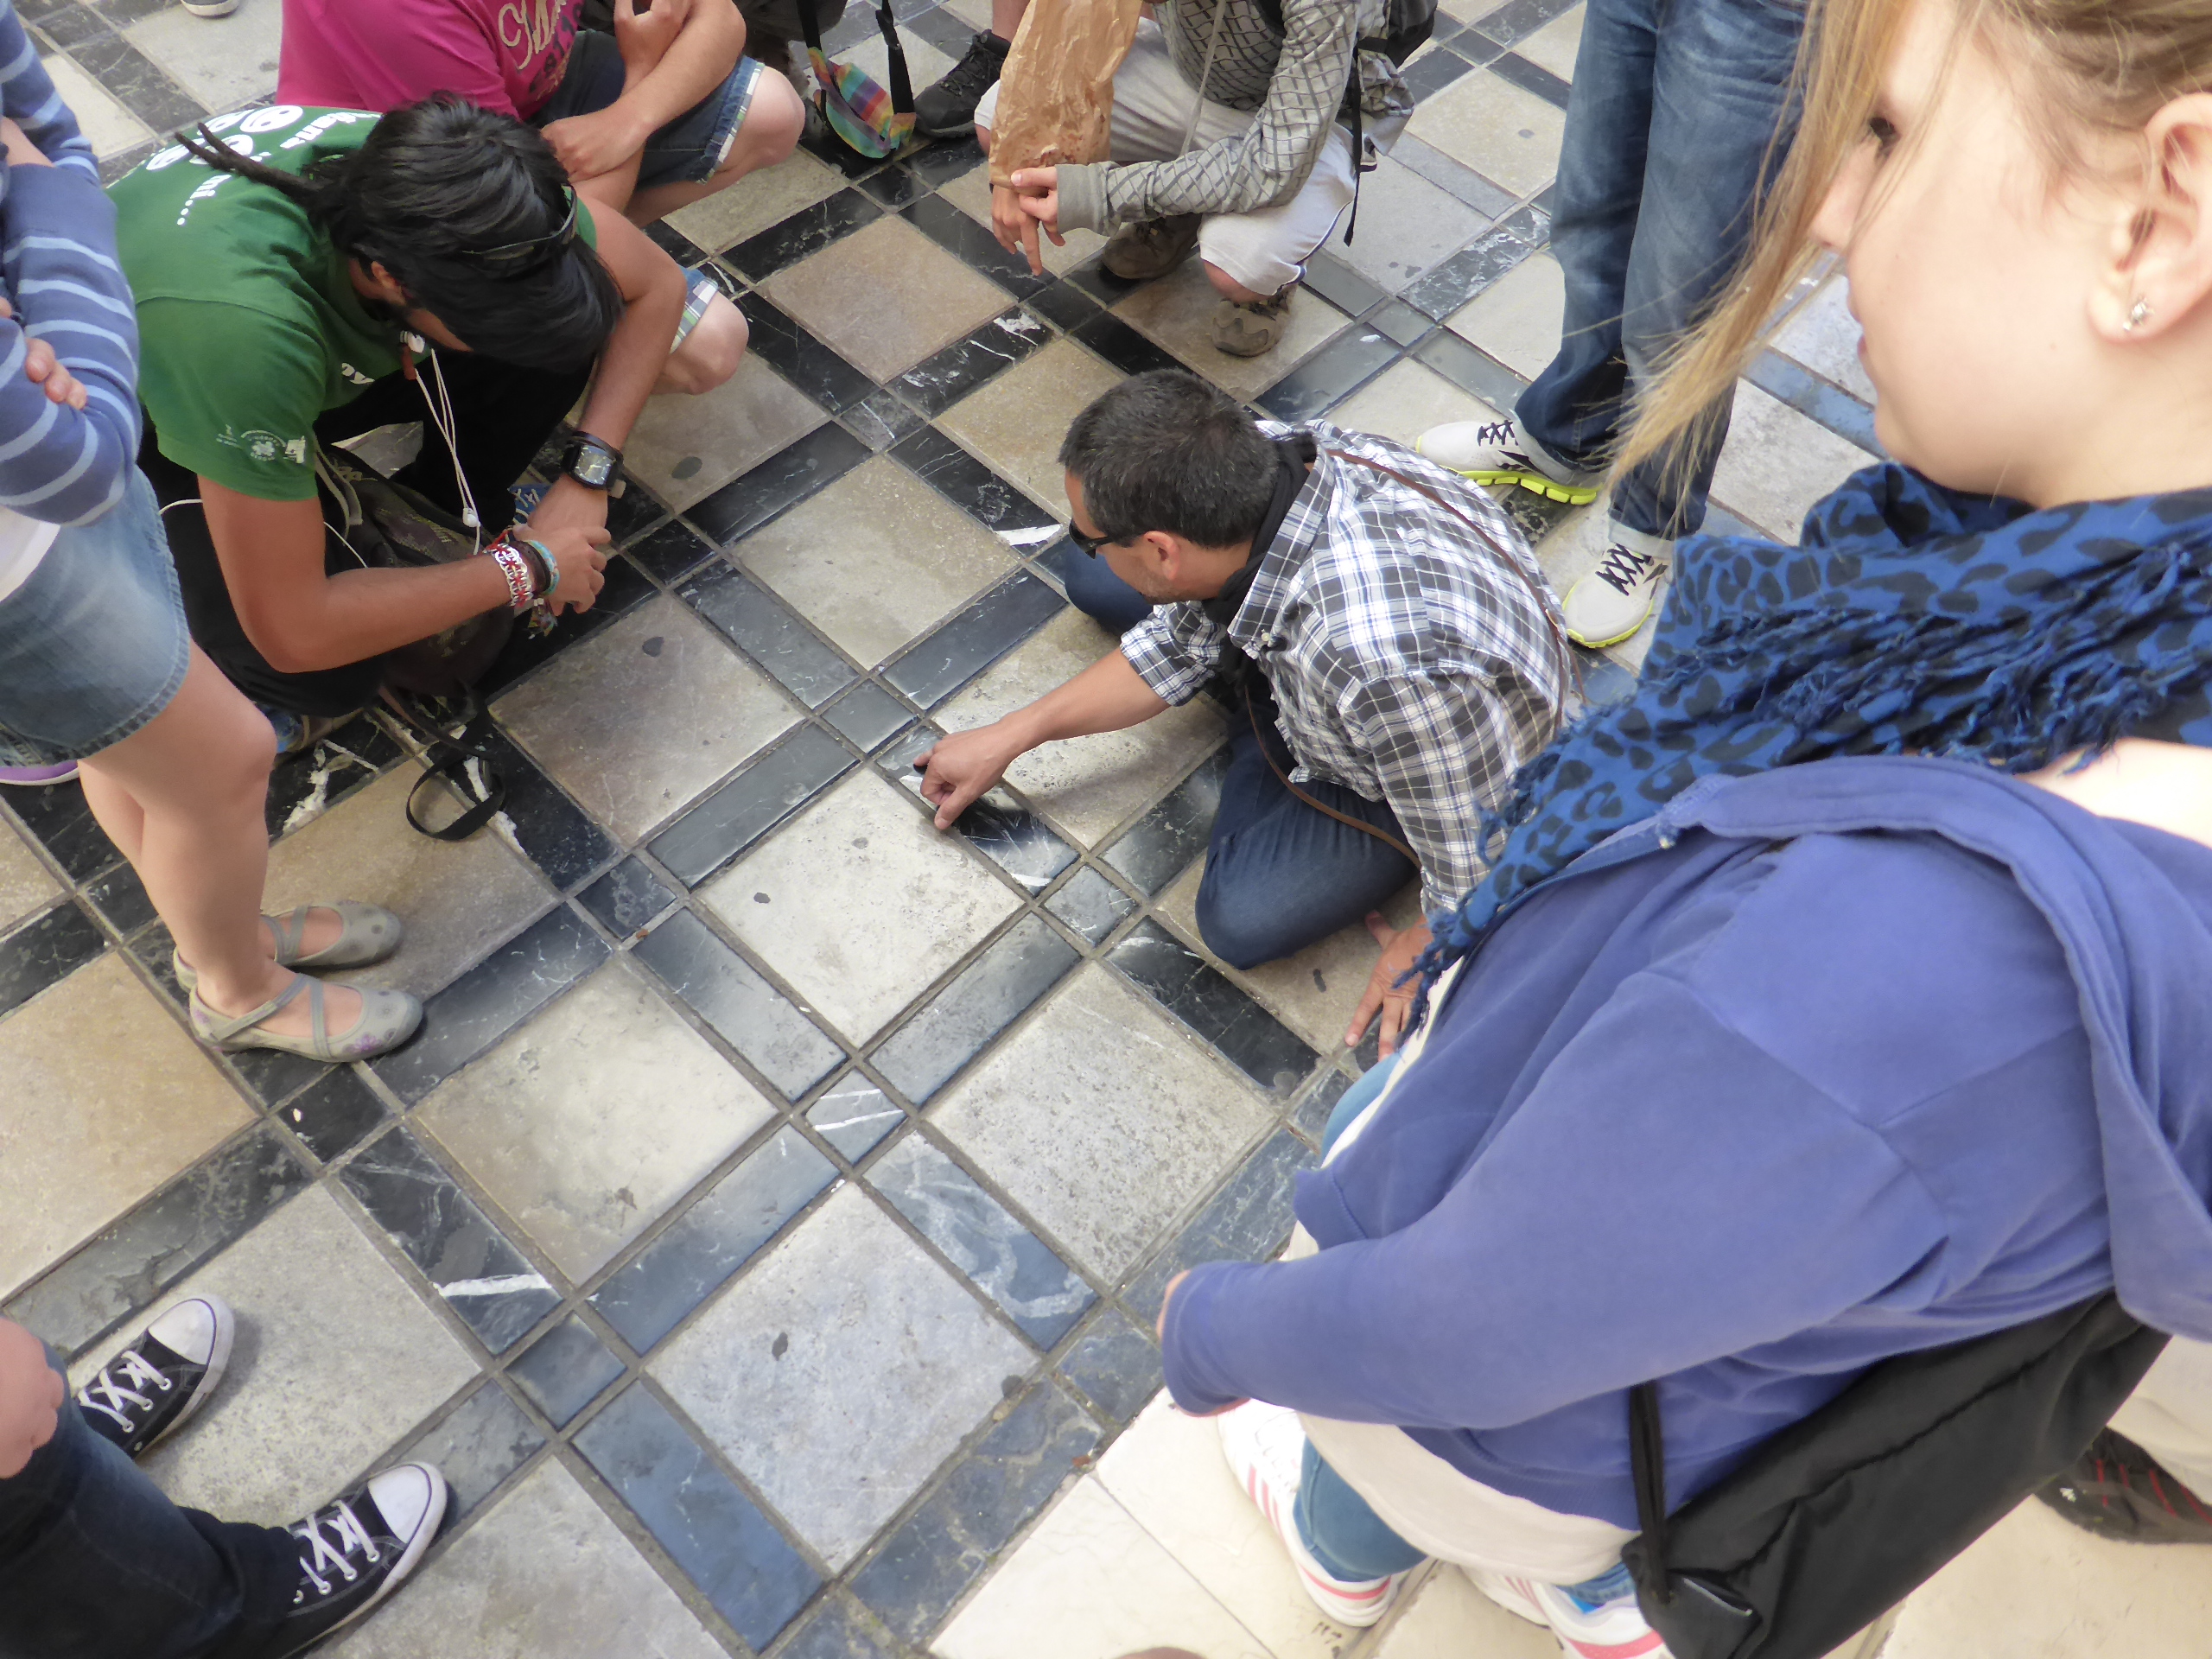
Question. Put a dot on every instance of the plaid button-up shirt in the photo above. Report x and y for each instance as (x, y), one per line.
(1409, 662)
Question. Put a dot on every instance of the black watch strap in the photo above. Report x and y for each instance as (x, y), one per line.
(593, 462)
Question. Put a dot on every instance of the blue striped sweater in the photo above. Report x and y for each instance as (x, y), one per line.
(57, 261)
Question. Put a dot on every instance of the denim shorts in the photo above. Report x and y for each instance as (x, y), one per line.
(93, 646)
(685, 151)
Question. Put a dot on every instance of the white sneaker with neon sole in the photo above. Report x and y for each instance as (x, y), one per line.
(1498, 452)
(1608, 1630)
(1266, 1448)
(1610, 604)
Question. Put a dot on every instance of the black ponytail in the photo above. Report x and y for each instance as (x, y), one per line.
(465, 209)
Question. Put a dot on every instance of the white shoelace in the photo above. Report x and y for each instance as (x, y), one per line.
(351, 1537)
(117, 1386)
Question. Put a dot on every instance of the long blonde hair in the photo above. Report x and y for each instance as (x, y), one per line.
(2106, 65)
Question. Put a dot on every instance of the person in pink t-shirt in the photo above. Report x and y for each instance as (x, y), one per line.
(660, 113)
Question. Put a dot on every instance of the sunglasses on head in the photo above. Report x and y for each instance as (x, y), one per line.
(514, 255)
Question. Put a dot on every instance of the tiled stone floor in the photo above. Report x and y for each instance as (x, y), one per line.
(765, 1230)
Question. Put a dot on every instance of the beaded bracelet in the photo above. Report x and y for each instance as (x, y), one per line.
(516, 569)
(552, 578)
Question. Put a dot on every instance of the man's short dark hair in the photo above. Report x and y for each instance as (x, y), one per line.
(1165, 451)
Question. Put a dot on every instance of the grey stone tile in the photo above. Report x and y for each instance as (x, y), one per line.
(485, 1438)
(847, 296)
(25, 884)
(336, 1359)
(1484, 122)
(1777, 464)
(565, 1370)
(223, 62)
(1406, 225)
(1405, 400)
(685, 447)
(792, 1371)
(544, 1575)
(107, 1099)
(1092, 905)
(112, 128)
(1102, 1119)
(589, 1121)
(1017, 420)
(1554, 46)
(1177, 312)
(766, 197)
(644, 717)
(859, 903)
(1824, 336)
(1516, 318)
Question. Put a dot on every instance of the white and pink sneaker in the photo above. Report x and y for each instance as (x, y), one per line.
(1266, 1450)
(1612, 1629)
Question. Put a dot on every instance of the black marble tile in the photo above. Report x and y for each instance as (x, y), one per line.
(133, 80)
(303, 786)
(1453, 178)
(882, 419)
(72, 24)
(678, 246)
(334, 1115)
(800, 357)
(564, 1370)
(1530, 78)
(627, 897)
(1473, 370)
(991, 991)
(528, 648)
(1604, 680)
(1331, 375)
(946, 159)
(1396, 320)
(1531, 222)
(1160, 845)
(867, 715)
(769, 632)
(1341, 286)
(1064, 305)
(484, 1441)
(1123, 346)
(824, 145)
(671, 552)
(894, 185)
(45, 951)
(1518, 19)
(1813, 398)
(440, 1228)
(841, 1629)
(126, 161)
(124, 13)
(959, 1530)
(1249, 1220)
(940, 663)
(1092, 905)
(783, 480)
(1433, 70)
(751, 1015)
(939, 381)
(490, 999)
(632, 512)
(555, 833)
(1008, 1262)
(1115, 1364)
(1016, 840)
(1102, 284)
(972, 486)
(942, 29)
(120, 896)
(1450, 284)
(806, 232)
(746, 1569)
(127, 1266)
(649, 1295)
(970, 241)
(854, 1116)
(762, 795)
(1312, 1117)
(1205, 999)
(60, 821)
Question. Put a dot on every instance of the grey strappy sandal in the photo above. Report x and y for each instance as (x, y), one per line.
(388, 1019)
(366, 935)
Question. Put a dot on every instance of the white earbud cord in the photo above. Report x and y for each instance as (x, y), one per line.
(442, 419)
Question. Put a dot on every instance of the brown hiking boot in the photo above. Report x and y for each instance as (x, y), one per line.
(1247, 330)
(1140, 252)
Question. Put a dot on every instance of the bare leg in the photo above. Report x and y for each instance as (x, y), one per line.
(1006, 17)
(710, 352)
(182, 797)
(1229, 288)
(769, 133)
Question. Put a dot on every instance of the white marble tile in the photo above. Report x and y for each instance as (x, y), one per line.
(545, 1575)
(585, 1124)
(1405, 400)
(859, 903)
(1086, 785)
(222, 61)
(1517, 318)
(1483, 121)
(1102, 1118)
(1554, 46)
(1168, 1473)
(1777, 463)
(336, 1360)
(1823, 335)
(1089, 1583)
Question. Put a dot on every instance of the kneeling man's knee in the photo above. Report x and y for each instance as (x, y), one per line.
(1237, 928)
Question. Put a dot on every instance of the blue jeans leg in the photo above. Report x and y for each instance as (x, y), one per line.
(1094, 589)
(1674, 106)
(1348, 1539)
(1371, 1084)
(95, 1563)
(1280, 876)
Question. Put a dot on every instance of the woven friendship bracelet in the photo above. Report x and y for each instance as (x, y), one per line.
(516, 568)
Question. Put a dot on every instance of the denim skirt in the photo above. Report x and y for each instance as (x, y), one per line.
(93, 644)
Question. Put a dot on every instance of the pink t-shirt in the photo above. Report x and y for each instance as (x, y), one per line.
(507, 55)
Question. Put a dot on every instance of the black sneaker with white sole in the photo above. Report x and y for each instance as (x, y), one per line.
(355, 1552)
(153, 1388)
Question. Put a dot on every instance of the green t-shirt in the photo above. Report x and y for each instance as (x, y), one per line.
(249, 326)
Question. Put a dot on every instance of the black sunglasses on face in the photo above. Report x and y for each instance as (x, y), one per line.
(1091, 544)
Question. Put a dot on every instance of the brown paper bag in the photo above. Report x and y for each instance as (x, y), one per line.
(1056, 92)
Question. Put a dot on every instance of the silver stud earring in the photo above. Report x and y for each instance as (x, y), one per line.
(2137, 314)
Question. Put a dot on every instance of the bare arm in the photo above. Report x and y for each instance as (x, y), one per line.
(673, 55)
(2166, 785)
(1106, 696)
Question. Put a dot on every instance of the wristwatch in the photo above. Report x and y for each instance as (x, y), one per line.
(591, 461)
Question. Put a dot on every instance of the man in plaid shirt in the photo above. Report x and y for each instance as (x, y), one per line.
(1398, 652)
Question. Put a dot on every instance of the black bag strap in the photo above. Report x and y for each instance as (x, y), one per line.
(902, 82)
(1647, 1458)
(446, 756)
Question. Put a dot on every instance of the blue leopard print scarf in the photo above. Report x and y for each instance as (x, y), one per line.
(1909, 617)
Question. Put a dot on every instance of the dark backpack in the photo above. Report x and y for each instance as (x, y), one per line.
(1838, 1518)
(1406, 28)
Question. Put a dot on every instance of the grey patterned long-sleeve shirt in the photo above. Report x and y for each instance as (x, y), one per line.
(1410, 660)
(1294, 78)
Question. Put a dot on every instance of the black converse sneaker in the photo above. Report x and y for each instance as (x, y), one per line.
(153, 1387)
(948, 109)
(355, 1552)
